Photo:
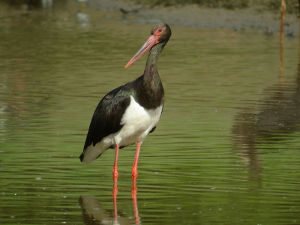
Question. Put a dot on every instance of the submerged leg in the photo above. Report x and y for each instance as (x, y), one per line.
(115, 169)
(115, 193)
(135, 205)
(135, 162)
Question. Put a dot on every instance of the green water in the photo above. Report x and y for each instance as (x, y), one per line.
(226, 151)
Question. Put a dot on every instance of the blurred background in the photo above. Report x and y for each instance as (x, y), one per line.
(226, 150)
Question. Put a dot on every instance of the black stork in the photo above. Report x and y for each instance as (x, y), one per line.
(127, 114)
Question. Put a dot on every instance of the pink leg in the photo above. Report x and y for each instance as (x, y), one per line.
(115, 170)
(115, 193)
(134, 201)
(135, 162)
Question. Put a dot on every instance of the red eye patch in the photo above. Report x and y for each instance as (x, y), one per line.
(159, 31)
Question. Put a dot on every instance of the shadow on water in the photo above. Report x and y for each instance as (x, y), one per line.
(94, 213)
(277, 118)
(30, 4)
(33, 4)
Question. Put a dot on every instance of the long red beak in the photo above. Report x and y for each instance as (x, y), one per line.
(146, 46)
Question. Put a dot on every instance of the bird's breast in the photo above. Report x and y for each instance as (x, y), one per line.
(137, 123)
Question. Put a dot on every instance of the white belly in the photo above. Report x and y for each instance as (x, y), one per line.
(137, 123)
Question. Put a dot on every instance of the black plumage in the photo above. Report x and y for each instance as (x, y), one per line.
(146, 90)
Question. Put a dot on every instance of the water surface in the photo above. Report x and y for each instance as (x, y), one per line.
(226, 150)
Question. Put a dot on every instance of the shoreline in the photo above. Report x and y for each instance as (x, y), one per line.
(189, 15)
(194, 16)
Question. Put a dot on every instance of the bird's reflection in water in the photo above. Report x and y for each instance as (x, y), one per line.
(134, 203)
(93, 213)
(275, 120)
(244, 136)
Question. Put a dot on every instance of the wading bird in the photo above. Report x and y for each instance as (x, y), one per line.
(127, 114)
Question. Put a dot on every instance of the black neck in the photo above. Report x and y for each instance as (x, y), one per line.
(151, 66)
(151, 92)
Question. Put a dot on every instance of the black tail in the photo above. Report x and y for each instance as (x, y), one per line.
(81, 157)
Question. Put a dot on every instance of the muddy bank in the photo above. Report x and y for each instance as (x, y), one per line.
(192, 15)
(252, 17)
